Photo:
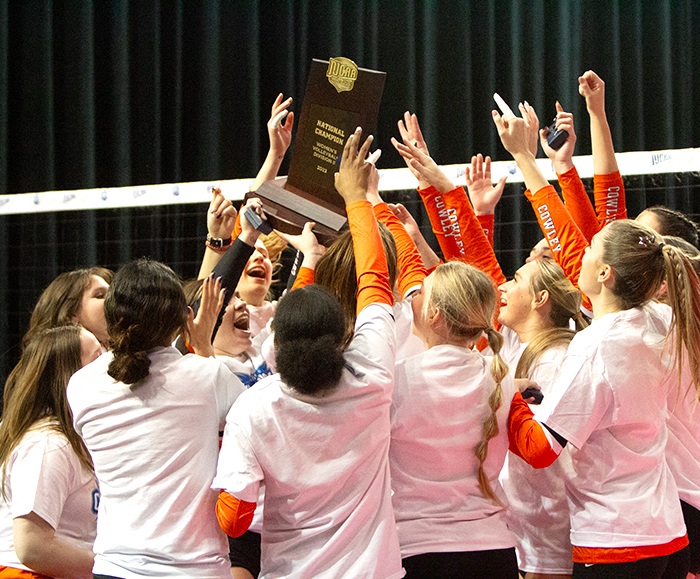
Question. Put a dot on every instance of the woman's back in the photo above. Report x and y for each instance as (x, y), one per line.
(154, 446)
(439, 408)
(324, 463)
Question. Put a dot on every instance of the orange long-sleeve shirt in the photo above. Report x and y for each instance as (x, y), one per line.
(411, 269)
(565, 239)
(459, 232)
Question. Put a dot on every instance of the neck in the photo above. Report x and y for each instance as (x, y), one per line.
(604, 303)
(532, 326)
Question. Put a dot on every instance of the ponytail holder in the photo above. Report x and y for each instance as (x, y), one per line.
(660, 247)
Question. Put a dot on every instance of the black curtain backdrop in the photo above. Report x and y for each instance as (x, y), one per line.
(115, 93)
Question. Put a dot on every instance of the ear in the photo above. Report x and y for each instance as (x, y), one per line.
(541, 298)
(606, 274)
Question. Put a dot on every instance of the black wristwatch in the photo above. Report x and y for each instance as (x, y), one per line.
(217, 242)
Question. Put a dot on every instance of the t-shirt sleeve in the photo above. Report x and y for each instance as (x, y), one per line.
(44, 473)
(580, 402)
(238, 471)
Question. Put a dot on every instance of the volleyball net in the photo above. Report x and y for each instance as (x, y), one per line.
(50, 232)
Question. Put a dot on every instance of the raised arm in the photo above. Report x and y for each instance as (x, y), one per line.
(455, 225)
(609, 191)
(428, 256)
(279, 130)
(565, 239)
(221, 217)
(411, 268)
(370, 260)
(575, 196)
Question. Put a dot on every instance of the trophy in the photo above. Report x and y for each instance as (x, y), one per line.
(339, 97)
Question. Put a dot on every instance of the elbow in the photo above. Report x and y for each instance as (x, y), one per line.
(30, 553)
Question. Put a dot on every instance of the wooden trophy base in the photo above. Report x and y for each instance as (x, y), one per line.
(288, 210)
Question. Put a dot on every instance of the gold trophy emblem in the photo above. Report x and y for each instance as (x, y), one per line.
(342, 73)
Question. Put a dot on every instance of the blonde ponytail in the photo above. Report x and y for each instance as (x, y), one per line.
(499, 370)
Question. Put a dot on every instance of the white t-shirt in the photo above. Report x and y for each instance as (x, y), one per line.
(609, 402)
(155, 448)
(439, 407)
(45, 476)
(324, 462)
(260, 316)
(407, 343)
(539, 512)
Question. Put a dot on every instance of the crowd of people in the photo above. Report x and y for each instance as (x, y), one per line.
(394, 413)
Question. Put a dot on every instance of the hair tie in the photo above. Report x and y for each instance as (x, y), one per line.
(660, 247)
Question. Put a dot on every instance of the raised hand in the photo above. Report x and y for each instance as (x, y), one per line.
(514, 133)
(482, 192)
(353, 178)
(249, 234)
(529, 114)
(280, 134)
(221, 216)
(562, 158)
(423, 167)
(592, 88)
(409, 129)
(201, 328)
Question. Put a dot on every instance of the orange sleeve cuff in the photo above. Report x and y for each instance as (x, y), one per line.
(578, 204)
(526, 437)
(609, 193)
(234, 515)
(411, 269)
(370, 259)
(304, 277)
(486, 222)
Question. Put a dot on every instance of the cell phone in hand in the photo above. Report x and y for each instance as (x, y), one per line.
(257, 222)
(533, 392)
(555, 139)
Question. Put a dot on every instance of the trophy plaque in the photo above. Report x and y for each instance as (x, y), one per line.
(339, 97)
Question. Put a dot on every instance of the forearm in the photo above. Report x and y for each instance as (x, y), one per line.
(269, 169)
(411, 268)
(604, 160)
(38, 548)
(527, 437)
(209, 261)
(577, 203)
(370, 259)
(534, 179)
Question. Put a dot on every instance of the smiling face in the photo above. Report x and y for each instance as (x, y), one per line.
(257, 276)
(517, 301)
(233, 337)
(91, 314)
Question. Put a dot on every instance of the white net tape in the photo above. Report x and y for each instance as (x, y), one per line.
(634, 163)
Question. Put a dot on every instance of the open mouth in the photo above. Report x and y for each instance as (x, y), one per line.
(242, 323)
(257, 272)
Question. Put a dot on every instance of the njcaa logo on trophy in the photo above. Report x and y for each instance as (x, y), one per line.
(342, 73)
